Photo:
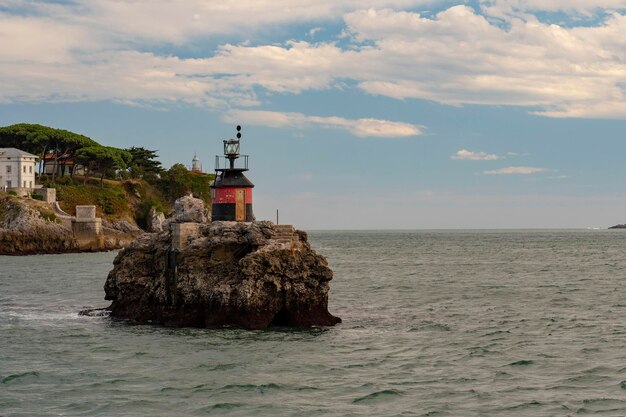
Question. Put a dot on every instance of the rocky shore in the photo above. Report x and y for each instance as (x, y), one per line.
(201, 274)
(30, 227)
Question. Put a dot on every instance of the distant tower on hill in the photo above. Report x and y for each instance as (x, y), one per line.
(232, 191)
(196, 165)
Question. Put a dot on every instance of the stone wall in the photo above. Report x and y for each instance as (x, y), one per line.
(87, 228)
(182, 233)
(49, 194)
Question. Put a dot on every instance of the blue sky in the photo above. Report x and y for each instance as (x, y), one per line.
(357, 114)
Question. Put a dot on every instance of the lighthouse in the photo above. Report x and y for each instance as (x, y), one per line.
(196, 166)
(231, 190)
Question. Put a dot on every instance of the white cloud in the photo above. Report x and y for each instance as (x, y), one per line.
(177, 21)
(314, 31)
(474, 156)
(97, 50)
(358, 127)
(465, 59)
(502, 8)
(591, 110)
(515, 170)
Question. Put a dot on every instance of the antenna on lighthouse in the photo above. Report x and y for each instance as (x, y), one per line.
(232, 147)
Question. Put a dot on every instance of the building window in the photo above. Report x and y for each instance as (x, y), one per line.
(24, 170)
(8, 169)
(30, 170)
(24, 184)
(30, 184)
(9, 185)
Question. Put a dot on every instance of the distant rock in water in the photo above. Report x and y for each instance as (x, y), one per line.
(619, 226)
(202, 274)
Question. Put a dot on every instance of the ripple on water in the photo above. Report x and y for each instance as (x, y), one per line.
(24, 377)
(378, 396)
(219, 407)
(261, 388)
(435, 323)
(523, 362)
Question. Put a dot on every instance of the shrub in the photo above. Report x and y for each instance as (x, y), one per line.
(50, 217)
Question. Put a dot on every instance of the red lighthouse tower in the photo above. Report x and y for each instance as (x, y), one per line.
(232, 191)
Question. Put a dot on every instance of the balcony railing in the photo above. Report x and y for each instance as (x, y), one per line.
(222, 163)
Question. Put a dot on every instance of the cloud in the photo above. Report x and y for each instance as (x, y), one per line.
(357, 127)
(515, 170)
(102, 50)
(590, 110)
(463, 58)
(314, 31)
(474, 156)
(502, 8)
(180, 21)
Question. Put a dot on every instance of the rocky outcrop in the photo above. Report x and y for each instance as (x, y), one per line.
(618, 226)
(119, 234)
(155, 221)
(34, 227)
(216, 274)
(31, 229)
(190, 209)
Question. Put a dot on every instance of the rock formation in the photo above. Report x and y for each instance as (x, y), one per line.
(33, 227)
(155, 221)
(202, 274)
(119, 234)
(190, 209)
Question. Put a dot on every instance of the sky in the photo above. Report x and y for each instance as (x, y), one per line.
(369, 114)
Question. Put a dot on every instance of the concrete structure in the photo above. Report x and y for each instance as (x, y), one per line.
(49, 194)
(87, 228)
(182, 233)
(65, 218)
(85, 212)
(17, 170)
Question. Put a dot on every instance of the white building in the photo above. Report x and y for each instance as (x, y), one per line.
(17, 169)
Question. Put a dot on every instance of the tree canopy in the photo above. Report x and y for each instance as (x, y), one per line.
(42, 140)
(103, 159)
(37, 139)
(178, 181)
(144, 163)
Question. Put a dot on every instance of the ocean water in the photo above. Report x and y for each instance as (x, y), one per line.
(435, 323)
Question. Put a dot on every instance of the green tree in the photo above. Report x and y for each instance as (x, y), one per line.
(179, 181)
(103, 160)
(42, 140)
(144, 161)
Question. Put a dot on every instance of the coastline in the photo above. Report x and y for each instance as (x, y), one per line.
(30, 227)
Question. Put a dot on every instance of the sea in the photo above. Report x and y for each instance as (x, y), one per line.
(435, 323)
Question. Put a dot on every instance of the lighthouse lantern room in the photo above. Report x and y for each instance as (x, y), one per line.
(232, 191)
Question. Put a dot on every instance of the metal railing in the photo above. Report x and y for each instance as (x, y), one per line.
(222, 163)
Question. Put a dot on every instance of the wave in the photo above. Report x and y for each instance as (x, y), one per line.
(8, 379)
(378, 395)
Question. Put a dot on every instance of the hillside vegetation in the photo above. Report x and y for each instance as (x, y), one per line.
(124, 184)
(115, 200)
